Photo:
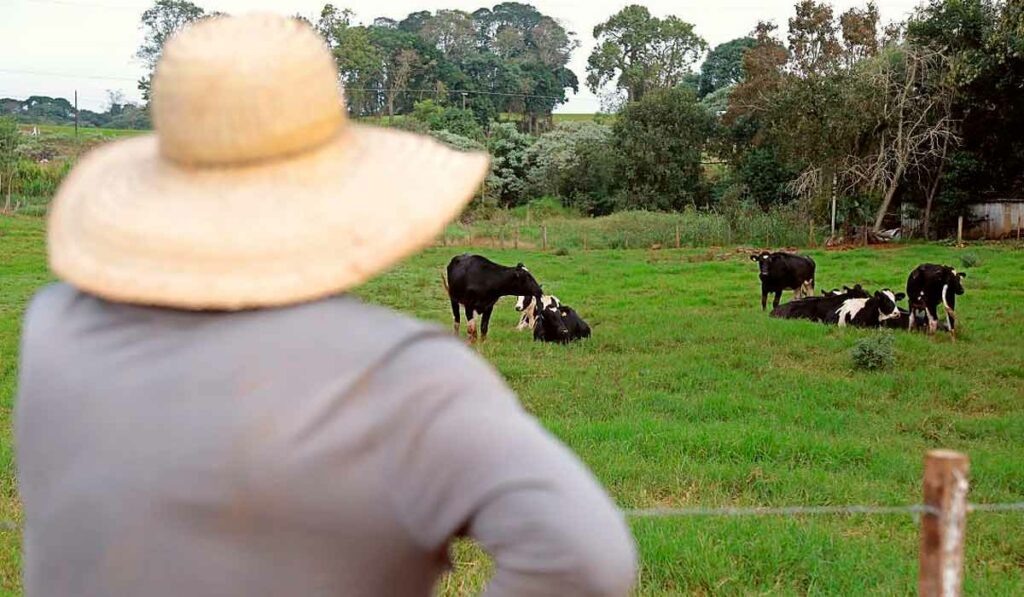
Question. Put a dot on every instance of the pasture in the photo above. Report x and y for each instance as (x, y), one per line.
(689, 395)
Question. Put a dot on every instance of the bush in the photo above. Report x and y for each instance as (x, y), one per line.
(969, 260)
(574, 162)
(874, 353)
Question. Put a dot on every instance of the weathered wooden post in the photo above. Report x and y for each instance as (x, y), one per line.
(960, 231)
(544, 240)
(677, 237)
(1020, 224)
(516, 243)
(942, 531)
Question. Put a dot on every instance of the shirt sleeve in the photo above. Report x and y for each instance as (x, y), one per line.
(469, 460)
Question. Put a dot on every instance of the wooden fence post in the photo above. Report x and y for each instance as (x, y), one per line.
(960, 231)
(942, 533)
(516, 245)
(677, 237)
(544, 242)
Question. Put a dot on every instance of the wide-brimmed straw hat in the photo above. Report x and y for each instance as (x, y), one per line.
(256, 189)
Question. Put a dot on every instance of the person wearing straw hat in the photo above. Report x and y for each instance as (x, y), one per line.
(202, 410)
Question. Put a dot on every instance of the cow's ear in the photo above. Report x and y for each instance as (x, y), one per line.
(755, 257)
(962, 274)
(900, 296)
(520, 265)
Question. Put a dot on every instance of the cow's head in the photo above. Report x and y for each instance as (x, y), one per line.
(833, 292)
(764, 260)
(856, 292)
(554, 325)
(524, 303)
(887, 304)
(523, 282)
(954, 280)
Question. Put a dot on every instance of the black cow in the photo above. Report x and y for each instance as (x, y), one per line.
(930, 284)
(477, 283)
(870, 312)
(784, 271)
(559, 324)
(818, 308)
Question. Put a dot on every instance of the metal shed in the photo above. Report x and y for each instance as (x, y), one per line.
(997, 219)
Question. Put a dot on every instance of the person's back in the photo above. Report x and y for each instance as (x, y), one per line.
(328, 448)
(201, 409)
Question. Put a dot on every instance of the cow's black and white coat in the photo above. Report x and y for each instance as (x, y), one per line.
(871, 312)
(559, 324)
(930, 285)
(528, 307)
(477, 283)
(819, 308)
(784, 271)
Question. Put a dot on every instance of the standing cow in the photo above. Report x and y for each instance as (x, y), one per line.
(784, 271)
(477, 283)
(930, 284)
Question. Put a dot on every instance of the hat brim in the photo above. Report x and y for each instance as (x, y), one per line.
(130, 226)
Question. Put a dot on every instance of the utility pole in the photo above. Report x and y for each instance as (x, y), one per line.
(76, 113)
(464, 95)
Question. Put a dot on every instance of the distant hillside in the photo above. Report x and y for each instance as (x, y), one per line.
(41, 109)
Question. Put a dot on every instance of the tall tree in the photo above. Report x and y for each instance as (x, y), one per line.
(723, 66)
(159, 23)
(640, 52)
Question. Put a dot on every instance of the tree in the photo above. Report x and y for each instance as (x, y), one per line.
(507, 147)
(723, 66)
(660, 140)
(159, 23)
(641, 53)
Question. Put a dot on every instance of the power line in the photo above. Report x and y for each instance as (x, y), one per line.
(63, 75)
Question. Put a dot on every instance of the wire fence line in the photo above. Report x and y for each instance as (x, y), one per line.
(912, 509)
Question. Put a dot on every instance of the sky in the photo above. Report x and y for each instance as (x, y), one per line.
(55, 47)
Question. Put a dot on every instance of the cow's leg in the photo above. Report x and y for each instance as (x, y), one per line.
(485, 321)
(778, 297)
(933, 319)
(470, 324)
(455, 316)
(764, 298)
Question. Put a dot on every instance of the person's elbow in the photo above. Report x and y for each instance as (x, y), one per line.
(606, 562)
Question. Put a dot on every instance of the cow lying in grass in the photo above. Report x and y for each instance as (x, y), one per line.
(818, 308)
(559, 324)
(871, 312)
(529, 309)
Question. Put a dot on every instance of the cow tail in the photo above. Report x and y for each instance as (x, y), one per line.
(444, 282)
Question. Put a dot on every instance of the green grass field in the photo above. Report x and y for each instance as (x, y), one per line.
(688, 395)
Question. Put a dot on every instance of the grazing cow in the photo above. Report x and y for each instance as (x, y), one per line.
(784, 271)
(870, 312)
(528, 307)
(818, 308)
(559, 324)
(477, 283)
(930, 284)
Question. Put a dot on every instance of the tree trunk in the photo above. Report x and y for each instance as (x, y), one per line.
(931, 194)
(889, 194)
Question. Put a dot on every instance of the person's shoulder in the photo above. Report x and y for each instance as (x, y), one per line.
(49, 302)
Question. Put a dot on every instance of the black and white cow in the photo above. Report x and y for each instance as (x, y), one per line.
(784, 271)
(819, 308)
(871, 312)
(930, 284)
(559, 324)
(528, 307)
(477, 283)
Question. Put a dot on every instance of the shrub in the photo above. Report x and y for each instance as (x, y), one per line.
(874, 353)
(561, 252)
(969, 260)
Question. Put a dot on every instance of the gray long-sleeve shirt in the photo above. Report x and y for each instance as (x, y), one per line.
(331, 448)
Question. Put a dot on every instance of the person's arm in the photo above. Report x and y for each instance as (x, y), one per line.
(468, 460)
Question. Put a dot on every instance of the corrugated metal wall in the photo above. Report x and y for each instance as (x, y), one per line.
(999, 219)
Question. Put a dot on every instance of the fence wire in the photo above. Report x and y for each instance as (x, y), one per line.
(913, 509)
